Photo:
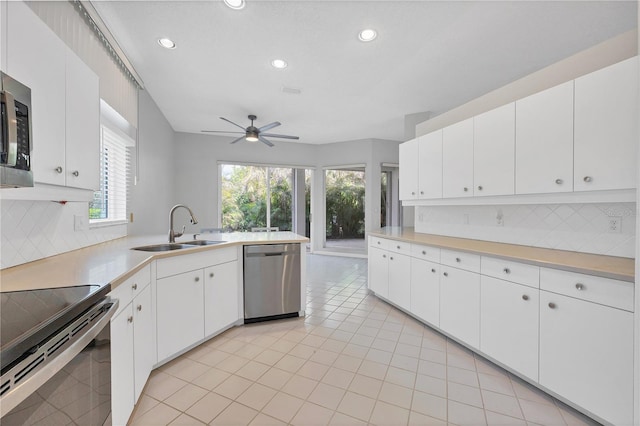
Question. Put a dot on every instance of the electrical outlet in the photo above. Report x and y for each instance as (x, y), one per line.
(615, 224)
(79, 223)
(500, 218)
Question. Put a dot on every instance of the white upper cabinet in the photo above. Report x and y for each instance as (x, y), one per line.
(606, 128)
(457, 160)
(430, 165)
(544, 141)
(408, 170)
(82, 160)
(493, 151)
(36, 58)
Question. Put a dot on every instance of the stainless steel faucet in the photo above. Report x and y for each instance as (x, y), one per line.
(173, 234)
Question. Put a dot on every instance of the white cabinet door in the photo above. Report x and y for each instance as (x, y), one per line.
(400, 280)
(460, 304)
(425, 290)
(430, 165)
(180, 312)
(606, 128)
(544, 141)
(586, 355)
(122, 368)
(494, 151)
(144, 349)
(379, 271)
(509, 324)
(457, 160)
(220, 297)
(82, 105)
(36, 58)
(408, 169)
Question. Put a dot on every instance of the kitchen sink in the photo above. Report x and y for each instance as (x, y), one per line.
(177, 246)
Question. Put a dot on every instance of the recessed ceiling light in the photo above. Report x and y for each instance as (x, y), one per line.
(367, 35)
(235, 4)
(279, 63)
(166, 43)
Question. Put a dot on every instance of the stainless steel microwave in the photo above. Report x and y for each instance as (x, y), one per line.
(15, 130)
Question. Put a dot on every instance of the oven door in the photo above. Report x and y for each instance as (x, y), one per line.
(71, 387)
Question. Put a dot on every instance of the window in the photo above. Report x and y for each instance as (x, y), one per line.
(109, 203)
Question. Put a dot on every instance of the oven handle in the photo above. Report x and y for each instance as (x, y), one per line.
(56, 363)
(12, 123)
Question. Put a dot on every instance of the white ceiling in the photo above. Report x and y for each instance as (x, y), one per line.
(429, 56)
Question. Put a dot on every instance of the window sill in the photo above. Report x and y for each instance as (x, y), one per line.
(106, 223)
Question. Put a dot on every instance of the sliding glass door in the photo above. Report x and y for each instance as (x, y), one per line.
(344, 209)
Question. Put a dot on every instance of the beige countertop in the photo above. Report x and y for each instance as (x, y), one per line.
(114, 261)
(620, 268)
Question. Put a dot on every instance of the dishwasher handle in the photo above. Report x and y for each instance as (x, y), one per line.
(263, 250)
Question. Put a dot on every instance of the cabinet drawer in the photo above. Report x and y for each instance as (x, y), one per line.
(432, 254)
(520, 273)
(131, 287)
(399, 247)
(466, 261)
(378, 242)
(190, 262)
(605, 291)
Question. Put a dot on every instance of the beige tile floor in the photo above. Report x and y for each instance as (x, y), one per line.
(353, 360)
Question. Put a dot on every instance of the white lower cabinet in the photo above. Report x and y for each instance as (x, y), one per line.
(379, 271)
(220, 297)
(425, 290)
(144, 349)
(460, 304)
(586, 355)
(400, 280)
(509, 324)
(180, 306)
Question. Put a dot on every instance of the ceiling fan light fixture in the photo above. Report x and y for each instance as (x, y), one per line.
(235, 4)
(367, 35)
(167, 43)
(252, 137)
(279, 63)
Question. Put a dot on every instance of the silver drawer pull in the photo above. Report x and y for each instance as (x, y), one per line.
(446, 274)
(413, 193)
(433, 270)
(134, 286)
(559, 181)
(506, 270)
(398, 247)
(480, 188)
(424, 252)
(76, 173)
(197, 279)
(390, 257)
(579, 287)
(139, 308)
(384, 256)
(378, 242)
(458, 260)
(211, 275)
(58, 169)
(552, 305)
(130, 319)
(421, 192)
(525, 297)
(587, 179)
(465, 189)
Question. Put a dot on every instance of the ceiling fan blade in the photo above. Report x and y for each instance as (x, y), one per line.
(264, 141)
(269, 126)
(229, 121)
(280, 136)
(239, 139)
(219, 131)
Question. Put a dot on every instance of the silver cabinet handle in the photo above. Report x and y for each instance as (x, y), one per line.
(579, 287)
(384, 256)
(211, 275)
(134, 286)
(525, 297)
(378, 242)
(76, 173)
(398, 247)
(413, 193)
(506, 270)
(421, 192)
(130, 319)
(390, 257)
(197, 279)
(587, 179)
(458, 260)
(479, 187)
(58, 169)
(552, 305)
(139, 308)
(446, 274)
(465, 189)
(424, 252)
(433, 270)
(559, 181)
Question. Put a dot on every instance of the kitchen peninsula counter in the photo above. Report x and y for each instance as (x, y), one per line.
(113, 261)
(619, 268)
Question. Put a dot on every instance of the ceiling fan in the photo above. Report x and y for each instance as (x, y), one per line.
(254, 134)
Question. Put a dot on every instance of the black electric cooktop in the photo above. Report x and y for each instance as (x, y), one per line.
(29, 317)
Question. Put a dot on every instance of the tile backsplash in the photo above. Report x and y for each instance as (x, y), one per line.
(33, 230)
(574, 227)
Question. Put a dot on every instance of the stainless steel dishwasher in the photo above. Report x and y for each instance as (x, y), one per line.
(271, 281)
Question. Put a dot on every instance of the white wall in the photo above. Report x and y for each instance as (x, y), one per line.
(152, 197)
